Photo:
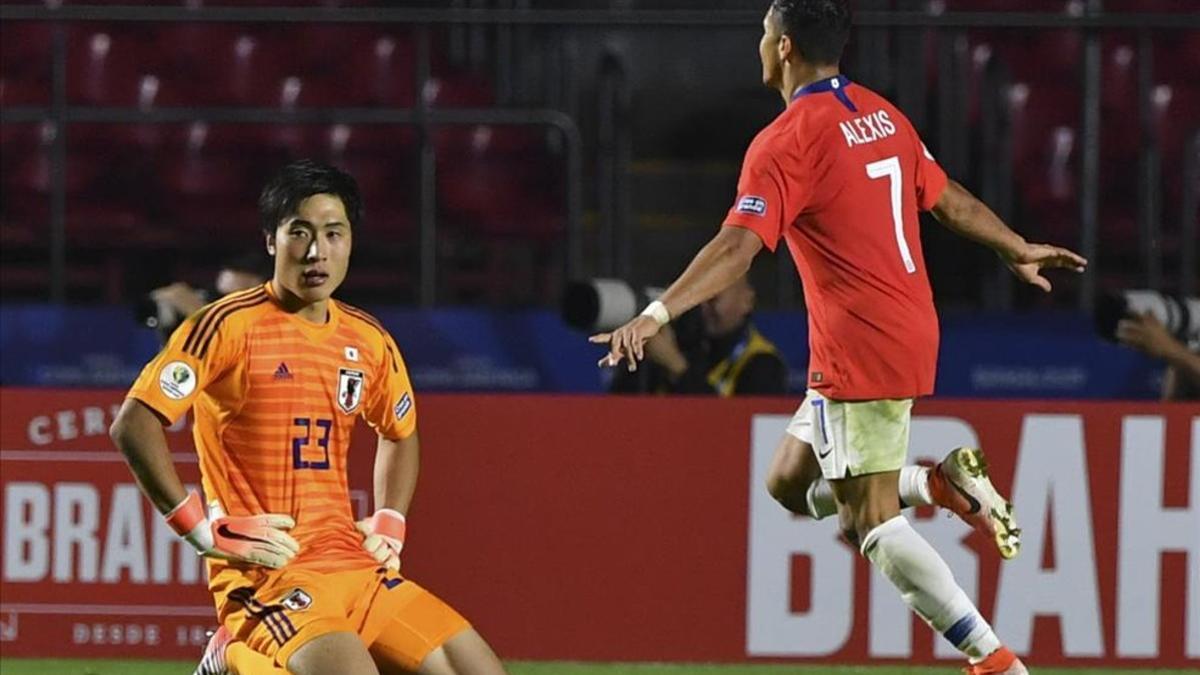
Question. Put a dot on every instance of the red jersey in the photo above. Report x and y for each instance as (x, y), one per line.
(840, 175)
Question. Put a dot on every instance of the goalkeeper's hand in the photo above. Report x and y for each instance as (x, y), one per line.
(258, 540)
(383, 536)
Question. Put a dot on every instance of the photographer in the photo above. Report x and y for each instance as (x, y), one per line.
(165, 307)
(1148, 335)
(716, 351)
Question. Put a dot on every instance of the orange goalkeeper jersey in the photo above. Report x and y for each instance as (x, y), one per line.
(275, 399)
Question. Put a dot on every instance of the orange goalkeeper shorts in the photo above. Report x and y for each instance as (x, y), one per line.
(283, 610)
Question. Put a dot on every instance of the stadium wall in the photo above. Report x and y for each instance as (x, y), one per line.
(589, 528)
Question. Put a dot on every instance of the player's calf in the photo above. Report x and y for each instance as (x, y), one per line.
(340, 652)
(464, 654)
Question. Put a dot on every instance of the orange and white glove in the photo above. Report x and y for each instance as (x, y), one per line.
(259, 540)
(383, 536)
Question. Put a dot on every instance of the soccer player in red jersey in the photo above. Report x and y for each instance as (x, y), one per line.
(840, 176)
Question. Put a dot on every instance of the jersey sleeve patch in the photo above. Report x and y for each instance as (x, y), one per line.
(403, 406)
(177, 380)
(753, 205)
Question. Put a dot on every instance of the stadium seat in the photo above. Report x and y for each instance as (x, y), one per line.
(458, 90)
(380, 69)
(383, 160)
(501, 196)
(25, 62)
(108, 67)
(1036, 110)
(1176, 56)
(1176, 121)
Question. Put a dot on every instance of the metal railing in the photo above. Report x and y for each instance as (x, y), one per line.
(521, 17)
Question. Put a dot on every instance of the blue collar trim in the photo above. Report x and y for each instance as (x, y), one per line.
(837, 84)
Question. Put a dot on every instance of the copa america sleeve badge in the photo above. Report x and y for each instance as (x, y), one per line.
(177, 380)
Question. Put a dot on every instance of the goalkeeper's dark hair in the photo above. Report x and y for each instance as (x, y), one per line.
(818, 28)
(301, 179)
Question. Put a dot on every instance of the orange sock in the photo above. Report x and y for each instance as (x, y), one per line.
(245, 661)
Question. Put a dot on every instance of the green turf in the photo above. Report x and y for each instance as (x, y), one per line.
(130, 667)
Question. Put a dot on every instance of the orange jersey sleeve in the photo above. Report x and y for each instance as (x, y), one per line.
(201, 351)
(391, 407)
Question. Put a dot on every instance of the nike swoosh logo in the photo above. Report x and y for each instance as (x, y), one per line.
(392, 583)
(224, 530)
(976, 507)
(823, 455)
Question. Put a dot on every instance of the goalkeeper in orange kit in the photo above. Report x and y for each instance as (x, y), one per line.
(277, 376)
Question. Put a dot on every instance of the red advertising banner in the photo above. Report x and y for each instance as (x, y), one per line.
(592, 528)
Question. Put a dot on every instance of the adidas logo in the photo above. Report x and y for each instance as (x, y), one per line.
(282, 372)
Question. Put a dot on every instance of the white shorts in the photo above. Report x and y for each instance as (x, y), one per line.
(853, 438)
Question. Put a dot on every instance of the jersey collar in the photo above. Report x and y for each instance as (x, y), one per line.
(837, 84)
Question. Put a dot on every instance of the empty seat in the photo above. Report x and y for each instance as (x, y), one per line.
(25, 63)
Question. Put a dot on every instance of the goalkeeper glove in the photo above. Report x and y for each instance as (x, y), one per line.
(259, 540)
(383, 536)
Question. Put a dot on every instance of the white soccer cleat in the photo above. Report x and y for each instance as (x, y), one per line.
(213, 661)
(960, 484)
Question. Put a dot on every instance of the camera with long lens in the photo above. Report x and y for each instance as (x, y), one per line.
(162, 317)
(1180, 315)
(605, 304)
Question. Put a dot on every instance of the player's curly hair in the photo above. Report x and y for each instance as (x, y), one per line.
(819, 28)
(301, 179)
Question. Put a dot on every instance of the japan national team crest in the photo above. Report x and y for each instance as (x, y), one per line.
(350, 389)
(297, 600)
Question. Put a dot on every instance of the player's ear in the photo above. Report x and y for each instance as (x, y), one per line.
(270, 240)
(785, 47)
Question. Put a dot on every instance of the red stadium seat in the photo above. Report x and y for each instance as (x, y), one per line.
(383, 160)
(1177, 121)
(380, 69)
(1036, 111)
(462, 90)
(501, 196)
(25, 62)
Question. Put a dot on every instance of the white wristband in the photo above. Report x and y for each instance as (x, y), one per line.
(657, 311)
(201, 537)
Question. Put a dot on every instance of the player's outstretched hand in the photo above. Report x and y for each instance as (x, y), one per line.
(1028, 263)
(627, 342)
(383, 536)
(260, 540)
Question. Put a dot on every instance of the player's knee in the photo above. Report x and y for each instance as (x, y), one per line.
(788, 493)
(777, 486)
(848, 528)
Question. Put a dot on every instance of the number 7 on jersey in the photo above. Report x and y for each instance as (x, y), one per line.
(890, 168)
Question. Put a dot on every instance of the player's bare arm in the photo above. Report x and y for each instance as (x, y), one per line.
(397, 465)
(964, 214)
(138, 433)
(722, 261)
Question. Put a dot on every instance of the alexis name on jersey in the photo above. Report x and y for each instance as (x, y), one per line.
(868, 128)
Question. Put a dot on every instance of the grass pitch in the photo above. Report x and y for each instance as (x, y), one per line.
(131, 667)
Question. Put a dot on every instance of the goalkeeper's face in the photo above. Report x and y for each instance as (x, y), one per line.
(312, 248)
